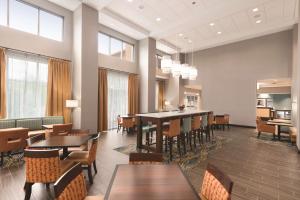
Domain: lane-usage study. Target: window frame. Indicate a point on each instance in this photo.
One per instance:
(39, 21)
(122, 41)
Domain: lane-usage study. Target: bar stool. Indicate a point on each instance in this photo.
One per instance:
(204, 128)
(196, 127)
(170, 133)
(186, 129)
(210, 124)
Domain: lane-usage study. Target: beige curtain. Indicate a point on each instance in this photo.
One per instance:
(102, 100)
(59, 88)
(133, 94)
(161, 91)
(2, 84)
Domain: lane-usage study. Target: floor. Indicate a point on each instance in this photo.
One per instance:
(259, 169)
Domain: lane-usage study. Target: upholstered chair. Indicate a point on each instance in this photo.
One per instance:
(186, 129)
(43, 166)
(216, 185)
(120, 123)
(196, 129)
(71, 186)
(171, 132)
(34, 139)
(204, 128)
(86, 158)
(59, 130)
(128, 124)
(262, 126)
(211, 123)
(146, 158)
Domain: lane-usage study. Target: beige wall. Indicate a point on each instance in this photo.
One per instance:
(228, 74)
(12, 38)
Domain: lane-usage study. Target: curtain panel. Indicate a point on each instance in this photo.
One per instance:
(59, 88)
(102, 100)
(2, 83)
(133, 94)
(161, 91)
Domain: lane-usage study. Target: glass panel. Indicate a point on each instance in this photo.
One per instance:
(115, 47)
(51, 26)
(26, 87)
(103, 44)
(23, 17)
(127, 53)
(3, 12)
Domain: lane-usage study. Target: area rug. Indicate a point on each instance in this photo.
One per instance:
(191, 159)
(13, 161)
(268, 139)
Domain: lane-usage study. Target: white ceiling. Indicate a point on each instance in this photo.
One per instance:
(235, 19)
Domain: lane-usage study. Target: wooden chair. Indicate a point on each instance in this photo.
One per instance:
(171, 132)
(216, 185)
(34, 139)
(59, 130)
(120, 123)
(128, 124)
(145, 158)
(79, 132)
(86, 158)
(262, 126)
(43, 166)
(227, 117)
(211, 124)
(71, 186)
(12, 140)
(221, 121)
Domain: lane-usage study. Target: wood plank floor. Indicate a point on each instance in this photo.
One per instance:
(259, 170)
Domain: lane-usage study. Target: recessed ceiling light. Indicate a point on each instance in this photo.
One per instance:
(255, 9)
(219, 32)
(212, 24)
(180, 34)
(129, 0)
(158, 19)
(258, 21)
(190, 41)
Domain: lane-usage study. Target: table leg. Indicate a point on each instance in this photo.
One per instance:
(65, 152)
(159, 137)
(279, 137)
(139, 137)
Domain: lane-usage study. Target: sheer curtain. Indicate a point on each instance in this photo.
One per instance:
(26, 85)
(117, 93)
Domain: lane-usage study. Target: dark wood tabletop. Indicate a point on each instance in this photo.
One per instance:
(151, 182)
(61, 141)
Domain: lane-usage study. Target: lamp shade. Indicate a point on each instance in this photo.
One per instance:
(72, 103)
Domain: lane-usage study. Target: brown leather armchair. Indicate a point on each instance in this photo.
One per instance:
(262, 126)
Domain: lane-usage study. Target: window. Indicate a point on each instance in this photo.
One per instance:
(114, 47)
(31, 19)
(51, 26)
(23, 17)
(26, 86)
(117, 93)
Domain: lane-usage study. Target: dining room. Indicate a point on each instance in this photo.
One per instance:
(154, 100)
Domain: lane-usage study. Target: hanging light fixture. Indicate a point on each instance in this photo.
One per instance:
(166, 64)
(176, 68)
(193, 72)
(185, 71)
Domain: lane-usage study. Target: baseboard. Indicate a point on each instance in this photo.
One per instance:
(243, 126)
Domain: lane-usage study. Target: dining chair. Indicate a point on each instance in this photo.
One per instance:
(34, 139)
(171, 132)
(216, 185)
(79, 132)
(59, 130)
(204, 128)
(12, 140)
(196, 129)
(211, 123)
(262, 126)
(43, 166)
(220, 121)
(71, 186)
(186, 129)
(145, 158)
(87, 158)
(227, 117)
(120, 123)
(128, 124)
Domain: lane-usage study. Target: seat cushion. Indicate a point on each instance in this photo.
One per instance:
(32, 124)
(34, 133)
(53, 120)
(65, 165)
(79, 156)
(99, 197)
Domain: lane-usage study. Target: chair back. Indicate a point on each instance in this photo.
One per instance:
(13, 139)
(210, 119)
(146, 158)
(34, 139)
(204, 120)
(128, 122)
(226, 117)
(119, 119)
(93, 149)
(42, 166)
(220, 119)
(174, 128)
(186, 124)
(71, 185)
(196, 124)
(61, 129)
(216, 184)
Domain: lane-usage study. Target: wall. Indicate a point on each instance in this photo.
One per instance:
(116, 63)
(15, 39)
(228, 74)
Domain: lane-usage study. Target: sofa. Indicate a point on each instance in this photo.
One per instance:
(33, 124)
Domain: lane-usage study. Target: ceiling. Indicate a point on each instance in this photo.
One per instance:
(193, 24)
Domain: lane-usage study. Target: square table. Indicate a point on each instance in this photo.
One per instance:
(151, 182)
(62, 142)
(278, 123)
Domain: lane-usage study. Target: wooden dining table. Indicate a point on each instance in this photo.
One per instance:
(159, 118)
(279, 123)
(63, 142)
(151, 182)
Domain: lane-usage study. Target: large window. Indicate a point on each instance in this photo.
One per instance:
(117, 83)
(114, 47)
(26, 86)
(28, 18)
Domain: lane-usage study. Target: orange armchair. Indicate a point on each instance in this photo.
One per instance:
(262, 126)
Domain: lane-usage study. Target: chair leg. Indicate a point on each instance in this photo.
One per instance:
(95, 167)
(190, 139)
(182, 139)
(27, 188)
(2, 159)
(89, 168)
(258, 134)
(166, 144)
(171, 148)
(199, 137)
(195, 135)
(178, 145)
